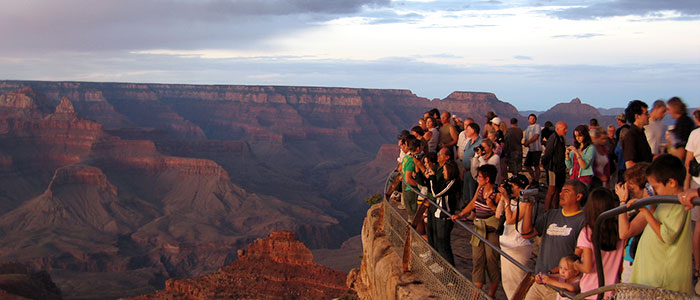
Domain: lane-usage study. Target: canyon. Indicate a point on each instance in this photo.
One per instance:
(114, 188)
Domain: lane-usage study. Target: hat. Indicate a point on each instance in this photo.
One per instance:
(403, 134)
(490, 115)
(621, 117)
(496, 121)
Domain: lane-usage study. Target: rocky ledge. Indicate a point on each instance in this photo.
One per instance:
(380, 275)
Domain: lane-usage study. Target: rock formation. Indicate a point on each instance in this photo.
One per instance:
(18, 282)
(380, 275)
(275, 267)
(575, 113)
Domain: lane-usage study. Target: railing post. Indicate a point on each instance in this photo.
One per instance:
(407, 250)
(524, 287)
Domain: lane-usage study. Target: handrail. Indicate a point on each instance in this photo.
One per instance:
(619, 210)
(482, 238)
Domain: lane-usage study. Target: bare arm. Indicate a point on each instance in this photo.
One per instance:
(651, 221)
(466, 209)
(689, 156)
(553, 281)
(528, 230)
(586, 264)
(532, 139)
(453, 134)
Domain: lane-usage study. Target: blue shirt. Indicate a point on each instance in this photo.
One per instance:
(469, 152)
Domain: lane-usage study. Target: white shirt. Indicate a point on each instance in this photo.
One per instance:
(655, 132)
(694, 146)
(461, 143)
(494, 160)
(531, 131)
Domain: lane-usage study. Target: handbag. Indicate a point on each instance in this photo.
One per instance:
(694, 168)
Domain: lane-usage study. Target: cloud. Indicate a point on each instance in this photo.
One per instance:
(614, 8)
(577, 36)
(522, 57)
(41, 26)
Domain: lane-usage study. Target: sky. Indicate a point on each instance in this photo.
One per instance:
(532, 54)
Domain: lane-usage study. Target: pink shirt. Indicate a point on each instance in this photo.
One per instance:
(611, 263)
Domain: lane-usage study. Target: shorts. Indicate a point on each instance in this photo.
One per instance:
(557, 179)
(532, 159)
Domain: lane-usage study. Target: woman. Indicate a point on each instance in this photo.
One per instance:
(488, 156)
(601, 162)
(418, 132)
(431, 135)
(599, 200)
(632, 189)
(484, 204)
(579, 157)
(447, 189)
(511, 241)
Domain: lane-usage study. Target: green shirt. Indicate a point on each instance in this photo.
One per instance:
(667, 264)
(407, 165)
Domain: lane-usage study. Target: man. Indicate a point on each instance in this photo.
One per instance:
(622, 126)
(534, 152)
(462, 140)
(593, 124)
(656, 129)
(473, 140)
(513, 150)
(559, 229)
(395, 177)
(681, 131)
(553, 161)
(635, 147)
(448, 133)
(409, 198)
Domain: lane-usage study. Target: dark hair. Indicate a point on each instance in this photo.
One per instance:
(548, 124)
(474, 126)
(520, 180)
(593, 122)
(696, 114)
(582, 130)
(513, 121)
(489, 171)
(532, 115)
(414, 144)
(432, 157)
(434, 111)
(452, 170)
(418, 130)
(637, 174)
(432, 119)
(402, 135)
(633, 109)
(448, 152)
(600, 200)
(666, 167)
(579, 188)
(408, 139)
(678, 103)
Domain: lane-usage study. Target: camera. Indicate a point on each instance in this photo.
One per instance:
(479, 148)
(508, 187)
(529, 195)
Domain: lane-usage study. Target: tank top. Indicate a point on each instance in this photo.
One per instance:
(483, 211)
(433, 143)
(445, 137)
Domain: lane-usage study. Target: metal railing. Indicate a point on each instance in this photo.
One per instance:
(525, 284)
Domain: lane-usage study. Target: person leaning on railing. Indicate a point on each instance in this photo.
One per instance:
(559, 229)
(664, 256)
(511, 242)
(484, 204)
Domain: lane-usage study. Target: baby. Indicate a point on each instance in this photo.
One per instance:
(568, 277)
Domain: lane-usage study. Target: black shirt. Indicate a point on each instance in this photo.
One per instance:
(554, 155)
(684, 125)
(635, 147)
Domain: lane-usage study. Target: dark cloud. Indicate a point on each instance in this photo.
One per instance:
(42, 26)
(577, 36)
(613, 8)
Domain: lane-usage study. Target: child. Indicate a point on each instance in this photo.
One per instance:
(568, 277)
(664, 255)
(599, 200)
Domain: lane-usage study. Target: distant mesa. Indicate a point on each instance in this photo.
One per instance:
(275, 267)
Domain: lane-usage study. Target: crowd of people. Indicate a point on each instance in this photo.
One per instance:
(477, 174)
